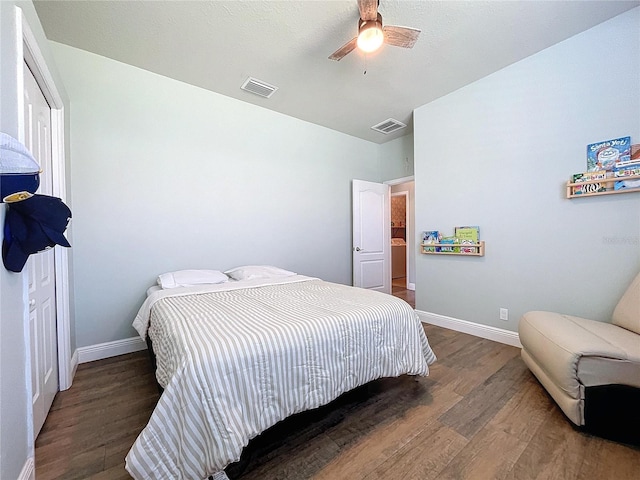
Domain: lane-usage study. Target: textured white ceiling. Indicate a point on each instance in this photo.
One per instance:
(218, 44)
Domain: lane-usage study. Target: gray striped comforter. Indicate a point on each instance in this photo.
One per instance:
(234, 361)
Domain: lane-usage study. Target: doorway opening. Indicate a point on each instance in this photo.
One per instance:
(399, 239)
(404, 247)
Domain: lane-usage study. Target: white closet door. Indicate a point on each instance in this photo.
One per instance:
(41, 267)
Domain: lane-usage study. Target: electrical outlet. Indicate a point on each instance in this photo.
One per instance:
(504, 314)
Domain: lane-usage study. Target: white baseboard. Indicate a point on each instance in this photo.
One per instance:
(411, 286)
(110, 349)
(29, 470)
(483, 331)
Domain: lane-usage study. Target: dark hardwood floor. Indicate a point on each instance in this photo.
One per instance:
(479, 415)
(399, 289)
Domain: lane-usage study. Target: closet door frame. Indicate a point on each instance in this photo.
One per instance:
(29, 52)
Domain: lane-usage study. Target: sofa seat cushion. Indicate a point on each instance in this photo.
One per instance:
(574, 351)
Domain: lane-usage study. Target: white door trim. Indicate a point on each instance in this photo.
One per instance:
(411, 239)
(29, 52)
(398, 181)
(407, 229)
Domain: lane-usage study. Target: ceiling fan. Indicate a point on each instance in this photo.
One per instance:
(371, 33)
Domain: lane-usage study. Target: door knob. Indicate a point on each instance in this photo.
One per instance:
(358, 249)
(32, 302)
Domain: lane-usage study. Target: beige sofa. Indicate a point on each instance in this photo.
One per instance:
(590, 368)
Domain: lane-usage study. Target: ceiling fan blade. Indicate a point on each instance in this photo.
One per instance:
(368, 9)
(343, 50)
(405, 37)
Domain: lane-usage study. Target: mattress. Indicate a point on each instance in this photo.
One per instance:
(236, 358)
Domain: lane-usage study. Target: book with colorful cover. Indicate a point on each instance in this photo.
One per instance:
(606, 154)
(450, 240)
(588, 187)
(626, 169)
(467, 236)
(432, 236)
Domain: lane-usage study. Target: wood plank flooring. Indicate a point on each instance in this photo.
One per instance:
(479, 415)
(399, 289)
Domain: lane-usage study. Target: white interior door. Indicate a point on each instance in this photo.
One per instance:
(41, 266)
(371, 235)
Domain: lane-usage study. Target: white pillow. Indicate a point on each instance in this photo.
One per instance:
(249, 272)
(186, 278)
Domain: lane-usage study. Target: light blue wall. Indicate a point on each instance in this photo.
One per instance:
(396, 158)
(168, 176)
(497, 154)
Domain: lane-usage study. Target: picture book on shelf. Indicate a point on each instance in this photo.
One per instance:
(606, 154)
(467, 235)
(452, 241)
(432, 236)
(588, 187)
(627, 169)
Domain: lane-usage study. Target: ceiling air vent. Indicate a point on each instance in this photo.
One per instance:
(258, 87)
(388, 126)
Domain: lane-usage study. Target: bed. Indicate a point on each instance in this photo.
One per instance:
(237, 357)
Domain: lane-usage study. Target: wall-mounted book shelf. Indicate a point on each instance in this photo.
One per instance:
(467, 249)
(608, 185)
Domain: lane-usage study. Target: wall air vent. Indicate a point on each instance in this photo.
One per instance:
(258, 87)
(388, 126)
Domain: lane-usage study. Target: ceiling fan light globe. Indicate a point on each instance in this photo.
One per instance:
(370, 39)
(370, 35)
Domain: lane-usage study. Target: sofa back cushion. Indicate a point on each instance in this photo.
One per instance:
(627, 312)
